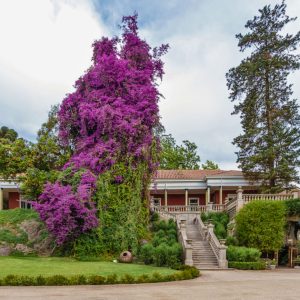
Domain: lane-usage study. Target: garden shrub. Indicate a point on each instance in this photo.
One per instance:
(260, 224)
(185, 272)
(242, 254)
(87, 246)
(127, 279)
(96, 279)
(220, 220)
(164, 250)
(111, 279)
(57, 280)
(258, 265)
(231, 241)
(293, 207)
(147, 253)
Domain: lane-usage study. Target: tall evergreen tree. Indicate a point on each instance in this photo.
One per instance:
(269, 146)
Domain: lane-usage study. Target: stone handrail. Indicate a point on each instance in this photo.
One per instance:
(219, 248)
(231, 208)
(275, 197)
(218, 207)
(180, 208)
(188, 208)
(185, 242)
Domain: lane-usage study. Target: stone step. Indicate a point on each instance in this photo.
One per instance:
(204, 258)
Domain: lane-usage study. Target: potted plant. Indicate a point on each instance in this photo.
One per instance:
(273, 264)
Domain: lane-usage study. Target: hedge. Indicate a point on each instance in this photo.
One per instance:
(257, 265)
(242, 254)
(186, 272)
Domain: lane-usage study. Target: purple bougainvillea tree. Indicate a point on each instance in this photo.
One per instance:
(108, 119)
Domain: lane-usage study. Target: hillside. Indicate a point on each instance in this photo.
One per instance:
(22, 233)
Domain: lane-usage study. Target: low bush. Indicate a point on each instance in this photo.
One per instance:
(242, 254)
(164, 250)
(220, 220)
(186, 272)
(293, 207)
(257, 265)
(231, 241)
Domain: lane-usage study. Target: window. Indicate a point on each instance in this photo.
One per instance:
(194, 201)
(25, 204)
(156, 201)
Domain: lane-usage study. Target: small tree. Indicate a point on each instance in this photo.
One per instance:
(210, 165)
(260, 224)
(14, 155)
(175, 156)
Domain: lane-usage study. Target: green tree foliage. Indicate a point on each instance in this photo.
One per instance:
(175, 156)
(269, 146)
(7, 133)
(14, 154)
(260, 224)
(293, 207)
(47, 157)
(220, 220)
(122, 208)
(48, 153)
(210, 165)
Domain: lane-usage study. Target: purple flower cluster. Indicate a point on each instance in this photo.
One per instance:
(114, 109)
(65, 214)
(109, 118)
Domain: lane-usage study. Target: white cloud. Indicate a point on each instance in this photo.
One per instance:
(45, 47)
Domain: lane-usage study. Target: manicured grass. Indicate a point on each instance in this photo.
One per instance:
(17, 215)
(34, 266)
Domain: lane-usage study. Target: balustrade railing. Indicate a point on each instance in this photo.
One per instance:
(188, 208)
(180, 208)
(275, 197)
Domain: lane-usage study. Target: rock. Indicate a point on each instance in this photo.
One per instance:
(24, 249)
(5, 250)
(45, 246)
(32, 228)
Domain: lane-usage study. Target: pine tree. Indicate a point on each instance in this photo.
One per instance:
(269, 146)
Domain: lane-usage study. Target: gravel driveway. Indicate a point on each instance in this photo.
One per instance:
(277, 284)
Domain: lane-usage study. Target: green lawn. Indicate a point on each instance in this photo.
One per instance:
(34, 266)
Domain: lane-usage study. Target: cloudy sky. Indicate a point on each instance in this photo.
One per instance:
(46, 45)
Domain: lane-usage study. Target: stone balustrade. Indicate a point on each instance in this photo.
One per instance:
(178, 209)
(218, 246)
(185, 242)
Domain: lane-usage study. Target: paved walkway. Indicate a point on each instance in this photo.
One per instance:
(277, 284)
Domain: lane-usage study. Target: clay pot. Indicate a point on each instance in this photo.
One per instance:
(126, 257)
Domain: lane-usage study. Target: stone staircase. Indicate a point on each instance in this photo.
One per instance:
(203, 255)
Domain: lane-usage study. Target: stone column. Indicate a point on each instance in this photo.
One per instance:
(210, 228)
(223, 263)
(189, 253)
(186, 197)
(1, 198)
(166, 197)
(207, 198)
(240, 200)
(221, 195)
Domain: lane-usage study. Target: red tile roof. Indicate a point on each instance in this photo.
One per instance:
(194, 174)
